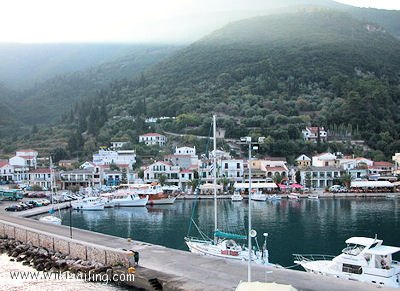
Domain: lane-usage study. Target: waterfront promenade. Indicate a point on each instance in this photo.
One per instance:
(180, 270)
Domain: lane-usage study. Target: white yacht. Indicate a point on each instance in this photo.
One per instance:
(236, 197)
(364, 259)
(89, 203)
(128, 199)
(108, 200)
(258, 196)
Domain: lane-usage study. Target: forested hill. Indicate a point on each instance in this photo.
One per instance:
(48, 99)
(273, 75)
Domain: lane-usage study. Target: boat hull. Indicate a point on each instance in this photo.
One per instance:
(50, 219)
(140, 202)
(329, 269)
(207, 248)
(167, 200)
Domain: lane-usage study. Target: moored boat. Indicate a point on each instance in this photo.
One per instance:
(127, 198)
(89, 203)
(293, 196)
(274, 197)
(258, 196)
(313, 196)
(364, 259)
(236, 197)
(50, 219)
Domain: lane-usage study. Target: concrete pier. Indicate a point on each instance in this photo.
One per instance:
(163, 267)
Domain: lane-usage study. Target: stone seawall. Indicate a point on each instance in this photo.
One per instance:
(77, 249)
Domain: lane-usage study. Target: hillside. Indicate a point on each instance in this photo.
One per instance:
(272, 76)
(47, 100)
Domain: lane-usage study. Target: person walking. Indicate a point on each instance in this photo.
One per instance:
(136, 258)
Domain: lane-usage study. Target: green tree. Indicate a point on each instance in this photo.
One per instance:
(298, 177)
(161, 179)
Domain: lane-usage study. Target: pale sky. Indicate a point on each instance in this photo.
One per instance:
(35, 21)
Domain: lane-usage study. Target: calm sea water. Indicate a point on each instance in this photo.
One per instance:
(301, 226)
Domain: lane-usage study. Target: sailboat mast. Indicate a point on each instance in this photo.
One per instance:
(215, 175)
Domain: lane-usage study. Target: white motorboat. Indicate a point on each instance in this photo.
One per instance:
(50, 219)
(258, 196)
(89, 203)
(236, 197)
(108, 200)
(274, 197)
(313, 196)
(364, 259)
(128, 199)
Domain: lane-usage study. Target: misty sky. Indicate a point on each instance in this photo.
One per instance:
(128, 20)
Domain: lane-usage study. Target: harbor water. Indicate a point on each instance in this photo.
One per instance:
(307, 226)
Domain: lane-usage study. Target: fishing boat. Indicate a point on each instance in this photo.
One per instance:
(364, 259)
(89, 203)
(223, 244)
(51, 218)
(155, 193)
(236, 197)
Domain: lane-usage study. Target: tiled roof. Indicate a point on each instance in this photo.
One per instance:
(151, 134)
(40, 171)
(3, 163)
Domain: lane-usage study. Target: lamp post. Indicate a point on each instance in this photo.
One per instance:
(251, 233)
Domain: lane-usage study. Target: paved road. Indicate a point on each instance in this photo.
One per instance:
(186, 271)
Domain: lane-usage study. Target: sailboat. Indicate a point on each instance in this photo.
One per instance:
(224, 244)
(51, 218)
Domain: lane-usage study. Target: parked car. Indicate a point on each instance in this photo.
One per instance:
(44, 201)
(25, 205)
(34, 203)
(12, 208)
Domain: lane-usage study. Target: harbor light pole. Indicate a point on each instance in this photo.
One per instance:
(247, 140)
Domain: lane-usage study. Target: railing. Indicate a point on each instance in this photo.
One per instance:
(311, 257)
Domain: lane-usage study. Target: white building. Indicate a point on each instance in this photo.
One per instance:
(303, 161)
(319, 177)
(6, 171)
(311, 134)
(185, 151)
(24, 158)
(154, 171)
(41, 177)
(348, 164)
(325, 160)
(153, 139)
(122, 158)
(396, 160)
(232, 169)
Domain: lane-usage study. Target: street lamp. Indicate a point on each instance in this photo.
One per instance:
(251, 233)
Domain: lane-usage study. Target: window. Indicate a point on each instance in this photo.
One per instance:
(237, 165)
(353, 269)
(226, 165)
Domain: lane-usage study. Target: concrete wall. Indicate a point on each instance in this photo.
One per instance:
(74, 248)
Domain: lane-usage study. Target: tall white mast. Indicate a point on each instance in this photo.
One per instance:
(215, 176)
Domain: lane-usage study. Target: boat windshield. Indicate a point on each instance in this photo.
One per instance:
(353, 249)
